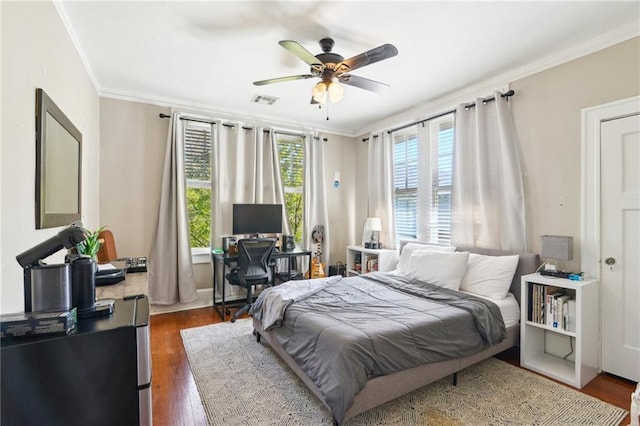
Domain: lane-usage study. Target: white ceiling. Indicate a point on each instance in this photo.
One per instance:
(205, 55)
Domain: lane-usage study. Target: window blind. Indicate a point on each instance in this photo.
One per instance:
(197, 154)
(422, 181)
(291, 156)
(405, 171)
(442, 151)
(197, 163)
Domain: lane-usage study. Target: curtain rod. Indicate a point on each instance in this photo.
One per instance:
(161, 115)
(197, 120)
(442, 114)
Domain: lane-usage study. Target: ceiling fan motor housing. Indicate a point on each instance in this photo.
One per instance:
(329, 59)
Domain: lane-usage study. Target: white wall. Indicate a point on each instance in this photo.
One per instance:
(547, 115)
(37, 52)
(340, 155)
(133, 143)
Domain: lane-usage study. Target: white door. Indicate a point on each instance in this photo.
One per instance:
(620, 227)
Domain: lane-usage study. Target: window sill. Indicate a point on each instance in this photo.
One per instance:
(200, 255)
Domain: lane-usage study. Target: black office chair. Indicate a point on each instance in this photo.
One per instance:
(254, 267)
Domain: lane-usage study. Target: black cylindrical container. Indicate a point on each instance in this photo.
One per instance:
(83, 279)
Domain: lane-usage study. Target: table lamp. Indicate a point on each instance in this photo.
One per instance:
(371, 232)
(555, 247)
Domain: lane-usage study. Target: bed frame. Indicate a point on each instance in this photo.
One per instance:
(381, 389)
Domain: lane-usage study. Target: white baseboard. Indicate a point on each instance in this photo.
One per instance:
(205, 298)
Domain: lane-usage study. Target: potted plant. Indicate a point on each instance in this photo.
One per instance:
(92, 243)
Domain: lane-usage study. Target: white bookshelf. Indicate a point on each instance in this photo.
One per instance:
(542, 346)
(385, 260)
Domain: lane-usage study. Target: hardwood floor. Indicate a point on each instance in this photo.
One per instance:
(176, 400)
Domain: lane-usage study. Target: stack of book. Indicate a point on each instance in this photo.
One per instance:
(552, 307)
(371, 264)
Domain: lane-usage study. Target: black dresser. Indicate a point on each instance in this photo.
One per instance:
(100, 374)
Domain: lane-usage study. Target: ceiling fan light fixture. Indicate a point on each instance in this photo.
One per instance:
(333, 89)
(319, 92)
(336, 92)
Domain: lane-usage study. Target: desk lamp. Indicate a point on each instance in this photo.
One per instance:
(555, 247)
(371, 232)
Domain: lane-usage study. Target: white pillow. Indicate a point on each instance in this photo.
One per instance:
(438, 268)
(409, 248)
(489, 276)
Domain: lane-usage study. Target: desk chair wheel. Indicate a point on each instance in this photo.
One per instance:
(258, 336)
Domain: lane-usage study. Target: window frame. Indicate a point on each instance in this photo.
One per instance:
(282, 139)
(428, 219)
(199, 254)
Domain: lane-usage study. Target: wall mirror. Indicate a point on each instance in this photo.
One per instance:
(58, 165)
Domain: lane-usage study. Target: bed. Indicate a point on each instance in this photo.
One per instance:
(423, 332)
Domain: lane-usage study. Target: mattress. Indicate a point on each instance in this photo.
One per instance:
(509, 308)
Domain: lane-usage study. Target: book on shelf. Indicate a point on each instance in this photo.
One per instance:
(571, 315)
(550, 306)
(560, 311)
(550, 297)
(371, 264)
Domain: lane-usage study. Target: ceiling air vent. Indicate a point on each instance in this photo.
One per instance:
(264, 100)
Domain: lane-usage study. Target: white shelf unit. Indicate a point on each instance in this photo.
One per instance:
(385, 260)
(538, 342)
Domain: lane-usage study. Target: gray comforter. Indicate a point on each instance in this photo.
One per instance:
(376, 324)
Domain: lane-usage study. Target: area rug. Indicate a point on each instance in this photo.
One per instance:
(243, 382)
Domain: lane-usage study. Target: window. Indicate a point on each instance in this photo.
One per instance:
(197, 160)
(441, 172)
(422, 170)
(291, 153)
(405, 178)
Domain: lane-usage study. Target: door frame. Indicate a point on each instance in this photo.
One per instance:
(590, 225)
(590, 220)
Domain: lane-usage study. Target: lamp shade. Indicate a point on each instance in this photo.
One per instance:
(373, 224)
(556, 247)
(371, 231)
(319, 92)
(336, 92)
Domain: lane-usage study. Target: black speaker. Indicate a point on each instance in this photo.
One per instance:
(288, 243)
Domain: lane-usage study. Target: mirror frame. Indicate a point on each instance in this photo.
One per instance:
(44, 219)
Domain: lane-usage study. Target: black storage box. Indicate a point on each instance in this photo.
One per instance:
(337, 269)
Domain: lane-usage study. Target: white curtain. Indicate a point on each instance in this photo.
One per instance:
(170, 271)
(315, 196)
(487, 190)
(246, 170)
(380, 178)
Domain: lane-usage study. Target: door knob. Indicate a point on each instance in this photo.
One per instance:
(610, 261)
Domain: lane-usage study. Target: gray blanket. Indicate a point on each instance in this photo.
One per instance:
(380, 323)
(271, 305)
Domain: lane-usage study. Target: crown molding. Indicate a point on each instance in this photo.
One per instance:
(203, 109)
(414, 113)
(502, 81)
(59, 5)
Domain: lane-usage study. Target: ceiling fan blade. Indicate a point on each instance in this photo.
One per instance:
(281, 79)
(380, 53)
(313, 101)
(363, 83)
(302, 53)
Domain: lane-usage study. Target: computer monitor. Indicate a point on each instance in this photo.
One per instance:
(257, 219)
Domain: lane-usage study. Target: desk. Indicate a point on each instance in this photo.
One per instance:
(221, 261)
(134, 283)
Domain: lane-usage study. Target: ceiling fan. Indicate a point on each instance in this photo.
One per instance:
(332, 68)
